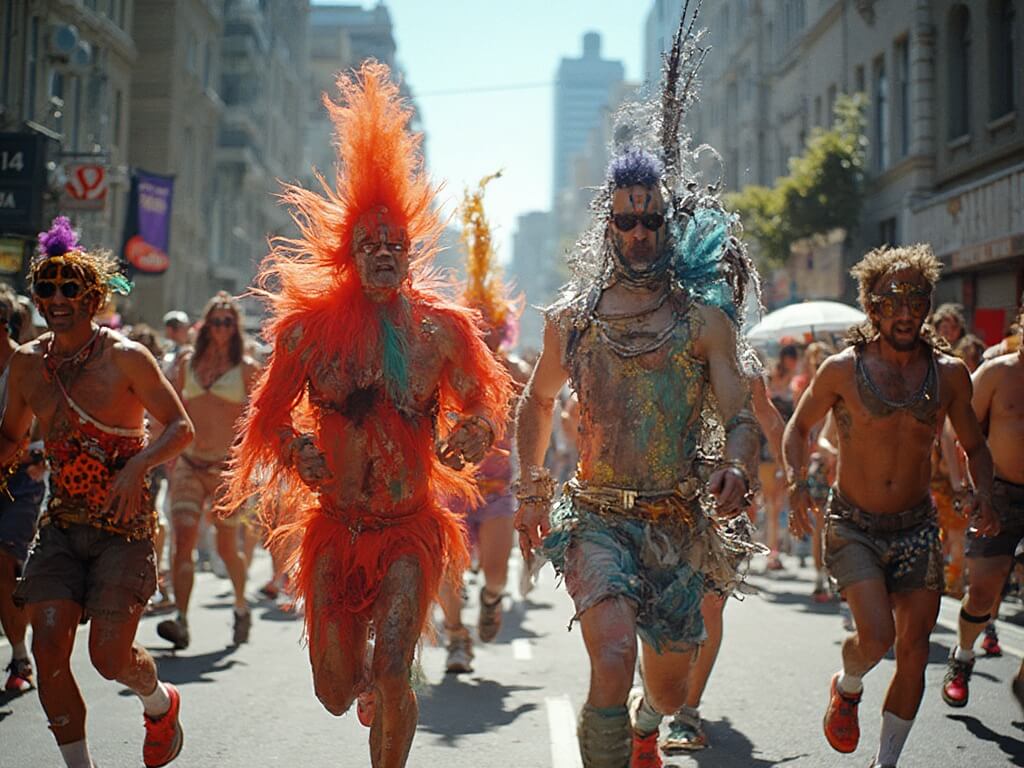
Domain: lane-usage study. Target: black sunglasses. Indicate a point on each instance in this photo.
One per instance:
(47, 289)
(627, 221)
(222, 322)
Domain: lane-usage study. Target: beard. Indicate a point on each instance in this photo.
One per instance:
(900, 345)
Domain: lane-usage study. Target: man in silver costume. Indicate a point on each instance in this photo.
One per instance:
(645, 334)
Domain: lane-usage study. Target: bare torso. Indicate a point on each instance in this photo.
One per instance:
(639, 415)
(99, 385)
(369, 459)
(884, 462)
(214, 417)
(1006, 417)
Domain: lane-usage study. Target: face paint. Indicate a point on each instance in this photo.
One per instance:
(640, 247)
(380, 246)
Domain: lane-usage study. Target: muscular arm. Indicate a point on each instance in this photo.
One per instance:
(537, 404)
(18, 417)
(158, 397)
(768, 416)
(963, 416)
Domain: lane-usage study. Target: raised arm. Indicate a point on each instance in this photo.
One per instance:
(533, 431)
(717, 343)
(964, 418)
(814, 406)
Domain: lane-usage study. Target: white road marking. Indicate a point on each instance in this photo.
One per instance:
(522, 649)
(565, 750)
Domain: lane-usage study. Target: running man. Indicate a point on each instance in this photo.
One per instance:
(998, 387)
(881, 535)
(89, 387)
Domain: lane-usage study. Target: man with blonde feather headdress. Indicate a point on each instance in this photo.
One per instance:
(379, 391)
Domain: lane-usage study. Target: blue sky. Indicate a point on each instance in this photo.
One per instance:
(462, 45)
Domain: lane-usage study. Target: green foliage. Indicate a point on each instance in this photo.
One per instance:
(823, 191)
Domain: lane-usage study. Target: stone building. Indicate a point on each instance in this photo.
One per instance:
(175, 118)
(262, 133)
(943, 81)
(66, 81)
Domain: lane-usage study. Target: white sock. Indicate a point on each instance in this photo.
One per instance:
(19, 650)
(156, 703)
(850, 684)
(819, 580)
(894, 735)
(76, 754)
(963, 655)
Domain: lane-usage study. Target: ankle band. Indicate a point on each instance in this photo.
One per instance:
(971, 619)
(604, 737)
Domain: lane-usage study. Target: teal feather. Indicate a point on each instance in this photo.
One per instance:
(120, 284)
(396, 360)
(698, 258)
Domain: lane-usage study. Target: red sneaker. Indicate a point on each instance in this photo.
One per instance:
(842, 731)
(990, 643)
(19, 676)
(956, 685)
(366, 708)
(164, 735)
(645, 751)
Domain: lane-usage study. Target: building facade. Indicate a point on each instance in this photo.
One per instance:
(175, 119)
(943, 83)
(65, 88)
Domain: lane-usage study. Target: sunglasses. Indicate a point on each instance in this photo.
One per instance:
(221, 322)
(624, 222)
(47, 289)
(888, 304)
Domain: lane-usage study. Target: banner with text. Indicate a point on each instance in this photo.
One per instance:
(147, 227)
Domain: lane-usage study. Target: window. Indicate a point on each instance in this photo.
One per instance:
(959, 71)
(1001, 75)
(57, 100)
(192, 53)
(881, 100)
(831, 104)
(902, 58)
(887, 232)
(817, 111)
(858, 79)
(31, 63)
(118, 116)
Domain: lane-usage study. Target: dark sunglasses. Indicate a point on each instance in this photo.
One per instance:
(222, 322)
(627, 221)
(47, 289)
(888, 305)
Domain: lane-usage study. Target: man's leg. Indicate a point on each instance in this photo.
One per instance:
(609, 634)
(337, 648)
(494, 545)
(985, 579)
(237, 568)
(915, 614)
(13, 619)
(398, 621)
(187, 498)
(54, 623)
(875, 633)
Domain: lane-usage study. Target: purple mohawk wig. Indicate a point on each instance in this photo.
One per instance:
(635, 167)
(58, 239)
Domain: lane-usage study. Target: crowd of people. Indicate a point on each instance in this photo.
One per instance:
(391, 430)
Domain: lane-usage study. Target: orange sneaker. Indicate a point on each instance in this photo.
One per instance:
(164, 734)
(842, 731)
(366, 708)
(645, 751)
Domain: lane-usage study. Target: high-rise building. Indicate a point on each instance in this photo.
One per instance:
(583, 89)
(535, 270)
(175, 118)
(262, 132)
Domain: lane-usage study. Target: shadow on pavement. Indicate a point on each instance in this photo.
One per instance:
(182, 670)
(801, 600)
(1011, 747)
(729, 747)
(458, 708)
(512, 624)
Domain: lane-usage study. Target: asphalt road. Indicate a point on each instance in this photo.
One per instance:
(254, 705)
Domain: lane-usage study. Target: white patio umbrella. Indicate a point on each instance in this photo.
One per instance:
(809, 317)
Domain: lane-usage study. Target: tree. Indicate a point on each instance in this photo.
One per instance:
(823, 191)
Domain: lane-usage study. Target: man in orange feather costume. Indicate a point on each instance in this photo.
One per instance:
(378, 393)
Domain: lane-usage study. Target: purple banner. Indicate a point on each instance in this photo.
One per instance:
(148, 223)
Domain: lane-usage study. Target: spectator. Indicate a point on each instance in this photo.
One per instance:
(948, 320)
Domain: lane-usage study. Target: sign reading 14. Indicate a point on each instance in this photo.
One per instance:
(12, 161)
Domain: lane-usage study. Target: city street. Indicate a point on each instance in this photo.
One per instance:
(254, 706)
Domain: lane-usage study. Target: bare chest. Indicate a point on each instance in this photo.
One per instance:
(98, 388)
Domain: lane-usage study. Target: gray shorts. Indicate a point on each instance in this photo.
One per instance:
(1008, 504)
(110, 576)
(906, 559)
